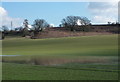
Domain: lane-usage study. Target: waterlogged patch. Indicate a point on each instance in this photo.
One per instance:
(40, 60)
(9, 55)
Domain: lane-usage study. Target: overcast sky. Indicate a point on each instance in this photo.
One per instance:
(54, 12)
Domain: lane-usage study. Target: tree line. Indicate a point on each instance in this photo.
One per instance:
(39, 25)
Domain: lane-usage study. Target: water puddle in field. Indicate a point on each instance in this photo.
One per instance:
(8, 55)
(38, 60)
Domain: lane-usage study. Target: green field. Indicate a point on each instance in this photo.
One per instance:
(69, 58)
(35, 72)
(104, 45)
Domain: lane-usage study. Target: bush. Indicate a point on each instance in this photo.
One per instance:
(115, 30)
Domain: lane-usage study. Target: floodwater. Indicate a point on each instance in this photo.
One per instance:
(38, 60)
(9, 55)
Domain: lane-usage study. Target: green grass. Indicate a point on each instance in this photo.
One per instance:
(104, 45)
(13, 71)
(90, 58)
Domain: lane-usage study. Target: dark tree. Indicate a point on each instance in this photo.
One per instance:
(3, 35)
(5, 28)
(39, 24)
(19, 29)
(72, 21)
(25, 23)
(85, 21)
(25, 28)
(109, 23)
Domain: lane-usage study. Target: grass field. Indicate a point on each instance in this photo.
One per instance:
(104, 45)
(35, 72)
(70, 58)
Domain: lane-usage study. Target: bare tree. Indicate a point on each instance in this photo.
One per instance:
(72, 21)
(25, 23)
(39, 24)
(25, 28)
(85, 21)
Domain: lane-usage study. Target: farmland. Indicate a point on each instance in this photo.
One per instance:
(71, 58)
(13, 71)
(89, 45)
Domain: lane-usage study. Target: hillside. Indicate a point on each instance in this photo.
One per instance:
(57, 34)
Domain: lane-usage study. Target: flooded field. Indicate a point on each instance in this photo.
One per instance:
(41, 60)
(71, 58)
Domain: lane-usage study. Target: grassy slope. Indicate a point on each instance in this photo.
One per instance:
(105, 45)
